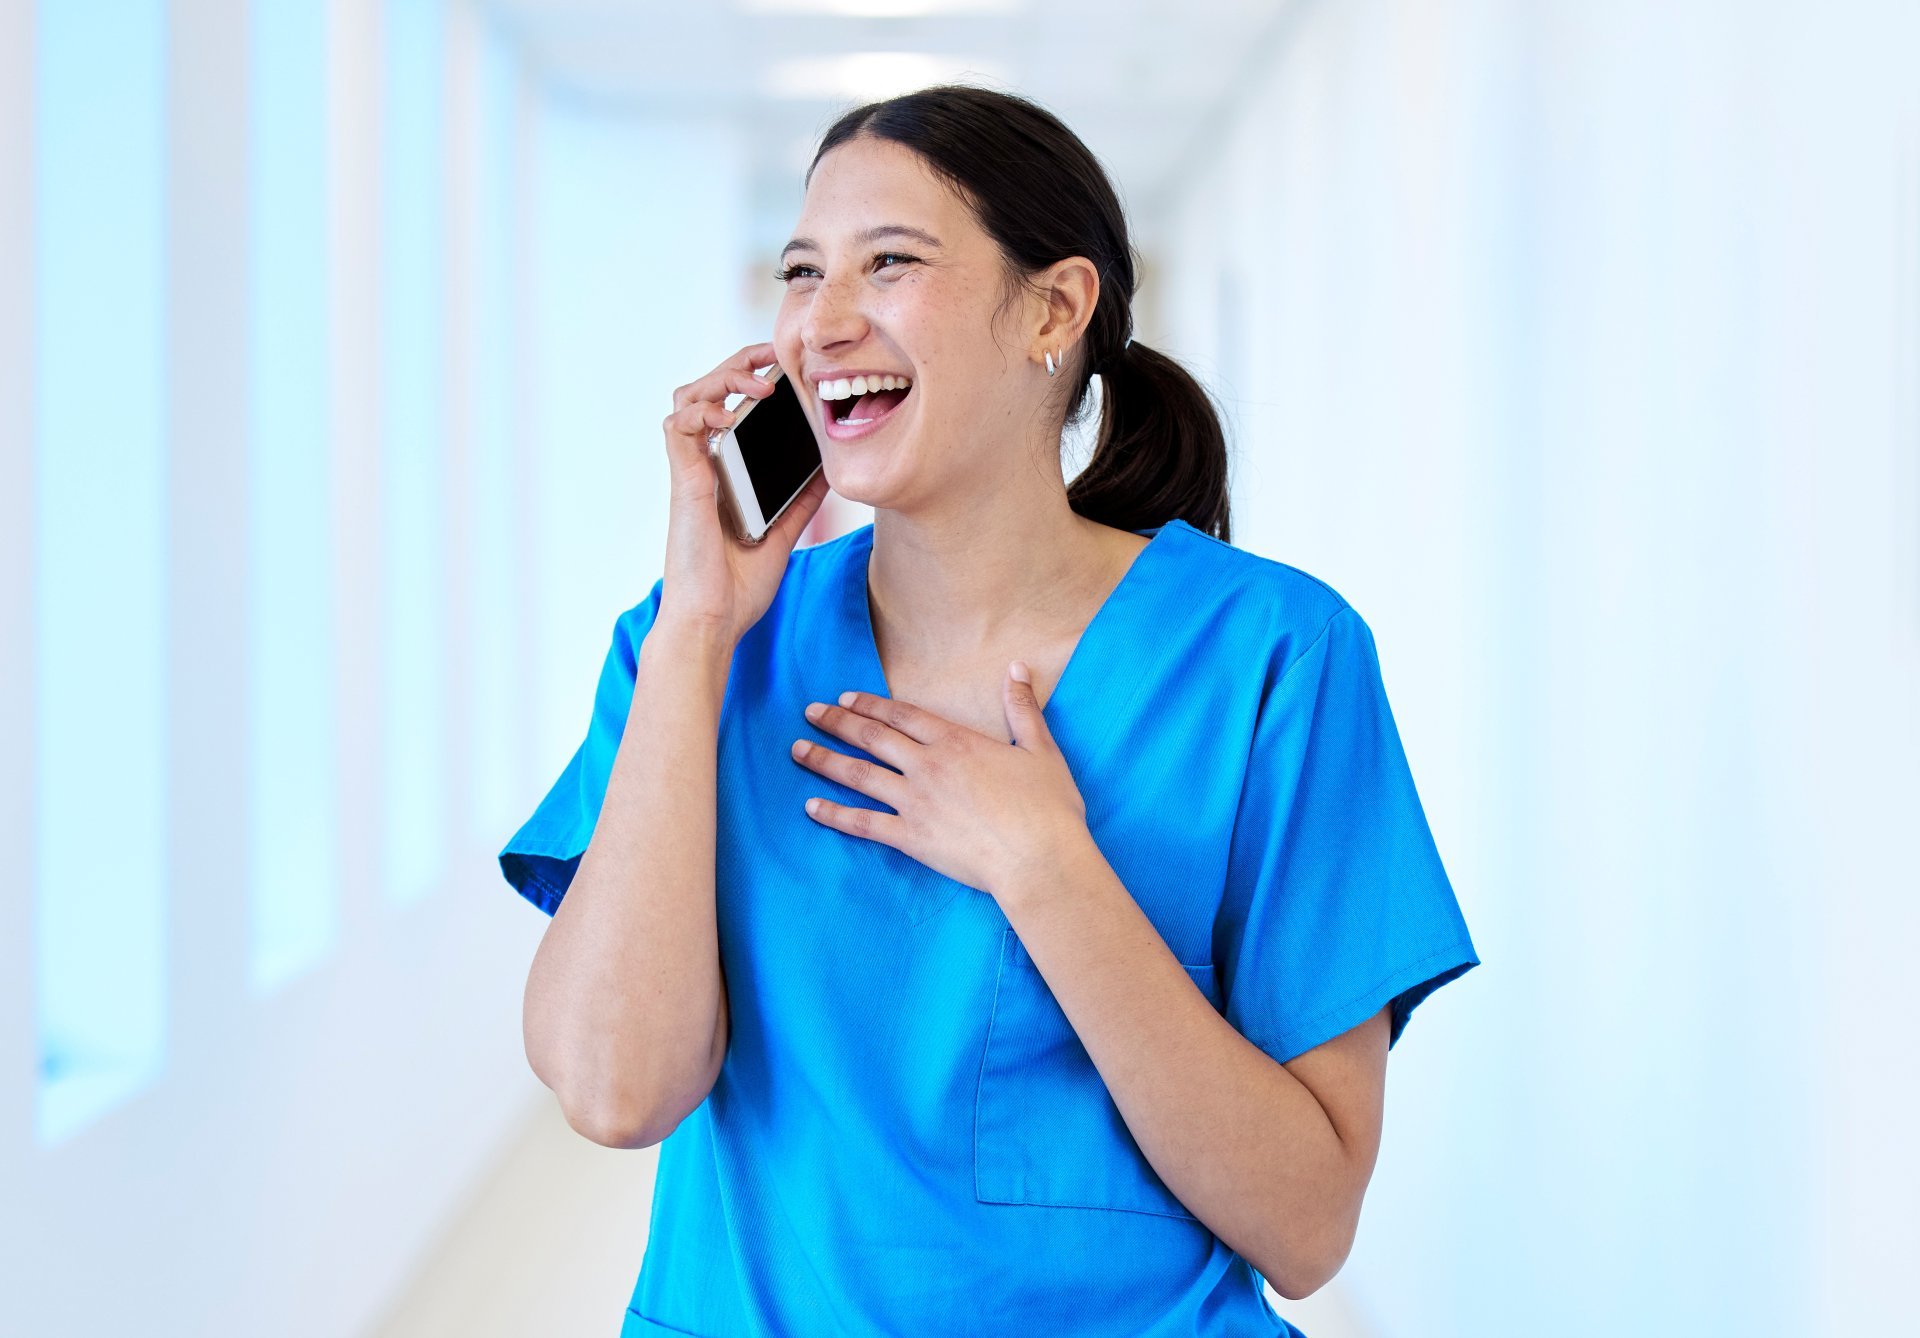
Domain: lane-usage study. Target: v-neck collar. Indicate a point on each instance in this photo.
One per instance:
(1095, 638)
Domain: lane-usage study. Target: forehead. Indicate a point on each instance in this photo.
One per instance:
(865, 184)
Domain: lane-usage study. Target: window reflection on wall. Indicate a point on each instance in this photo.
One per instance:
(100, 556)
(409, 523)
(292, 774)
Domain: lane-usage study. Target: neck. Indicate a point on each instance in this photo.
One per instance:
(943, 586)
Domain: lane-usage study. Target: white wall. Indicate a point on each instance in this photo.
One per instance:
(302, 1151)
(1579, 347)
(638, 235)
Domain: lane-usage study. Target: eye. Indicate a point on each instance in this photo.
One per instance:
(795, 271)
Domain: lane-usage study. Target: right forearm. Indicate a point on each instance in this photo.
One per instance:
(623, 998)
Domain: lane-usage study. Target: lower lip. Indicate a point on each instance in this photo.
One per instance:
(840, 431)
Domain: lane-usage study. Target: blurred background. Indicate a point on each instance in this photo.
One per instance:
(1578, 345)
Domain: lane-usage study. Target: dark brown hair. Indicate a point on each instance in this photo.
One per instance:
(1042, 196)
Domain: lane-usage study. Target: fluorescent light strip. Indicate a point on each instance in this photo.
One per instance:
(882, 9)
(875, 74)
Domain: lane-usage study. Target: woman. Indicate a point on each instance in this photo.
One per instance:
(1002, 912)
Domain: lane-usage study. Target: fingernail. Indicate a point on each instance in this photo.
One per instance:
(1019, 671)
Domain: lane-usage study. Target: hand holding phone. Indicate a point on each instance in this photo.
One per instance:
(764, 459)
(723, 562)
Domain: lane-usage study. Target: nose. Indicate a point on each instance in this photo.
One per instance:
(834, 313)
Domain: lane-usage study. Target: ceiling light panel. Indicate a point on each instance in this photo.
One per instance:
(882, 9)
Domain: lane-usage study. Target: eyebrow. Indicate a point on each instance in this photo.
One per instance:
(870, 235)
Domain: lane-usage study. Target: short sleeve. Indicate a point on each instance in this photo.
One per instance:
(541, 858)
(1336, 903)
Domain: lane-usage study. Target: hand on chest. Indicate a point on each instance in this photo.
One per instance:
(974, 696)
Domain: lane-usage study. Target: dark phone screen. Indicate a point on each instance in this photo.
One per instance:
(778, 447)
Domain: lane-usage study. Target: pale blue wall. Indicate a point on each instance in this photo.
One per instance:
(347, 338)
(97, 867)
(1579, 347)
(640, 241)
(293, 764)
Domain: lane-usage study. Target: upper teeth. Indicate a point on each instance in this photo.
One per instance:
(861, 385)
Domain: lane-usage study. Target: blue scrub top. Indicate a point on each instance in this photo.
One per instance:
(907, 1135)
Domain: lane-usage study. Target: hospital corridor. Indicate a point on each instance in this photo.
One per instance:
(1564, 363)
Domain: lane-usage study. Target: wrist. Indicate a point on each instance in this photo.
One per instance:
(697, 642)
(1050, 866)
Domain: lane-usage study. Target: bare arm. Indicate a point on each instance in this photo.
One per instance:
(1274, 1158)
(625, 1014)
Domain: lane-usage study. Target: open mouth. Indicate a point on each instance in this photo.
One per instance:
(867, 409)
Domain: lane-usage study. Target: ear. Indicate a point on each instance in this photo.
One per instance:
(1072, 290)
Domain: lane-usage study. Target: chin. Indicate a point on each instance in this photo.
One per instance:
(862, 481)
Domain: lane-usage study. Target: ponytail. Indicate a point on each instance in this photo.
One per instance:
(1161, 452)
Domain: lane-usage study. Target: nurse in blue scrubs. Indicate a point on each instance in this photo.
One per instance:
(1070, 881)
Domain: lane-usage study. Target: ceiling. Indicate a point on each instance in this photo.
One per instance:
(1144, 82)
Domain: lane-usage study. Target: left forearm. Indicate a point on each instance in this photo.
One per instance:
(1238, 1139)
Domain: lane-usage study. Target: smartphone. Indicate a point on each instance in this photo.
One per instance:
(765, 460)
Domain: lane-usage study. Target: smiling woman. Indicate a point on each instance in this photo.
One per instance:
(1068, 882)
(930, 227)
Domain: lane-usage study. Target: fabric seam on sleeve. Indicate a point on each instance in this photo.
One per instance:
(1287, 1038)
(544, 838)
(1262, 557)
(1307, 650)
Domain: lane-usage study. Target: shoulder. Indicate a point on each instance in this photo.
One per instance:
(813, 571)
(829, 552)
(806, 569)
(810, 606)
(1262, 601)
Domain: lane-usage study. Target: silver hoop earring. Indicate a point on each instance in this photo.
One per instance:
(1051, 369)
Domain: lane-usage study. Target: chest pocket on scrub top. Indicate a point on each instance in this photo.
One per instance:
(1046, 1130)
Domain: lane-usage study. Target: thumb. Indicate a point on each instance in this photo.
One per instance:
(1028, 726)
(800, 514)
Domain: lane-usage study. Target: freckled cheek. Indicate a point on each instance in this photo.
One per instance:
(786, 330)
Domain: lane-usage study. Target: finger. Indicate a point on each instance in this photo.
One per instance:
(915, 722)
(873, 825)
(1024, 719)
(751, 384)
(716, 383)
(864, 731)
(710, 416)
(856, 773)
(690, 452)
(715, 389)
(699, 418)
